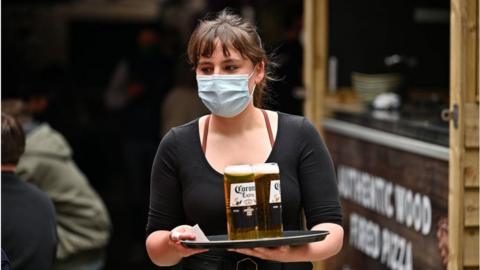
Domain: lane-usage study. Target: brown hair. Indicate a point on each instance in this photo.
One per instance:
(13, 140)
(234, 32)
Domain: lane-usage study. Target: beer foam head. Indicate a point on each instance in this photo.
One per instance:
(238, 170)
(266, 168)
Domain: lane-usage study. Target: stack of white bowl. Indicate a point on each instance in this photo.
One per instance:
(368, 86)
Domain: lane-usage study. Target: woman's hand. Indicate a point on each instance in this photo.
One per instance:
(183, 232)
(165, 248)
(315, 251)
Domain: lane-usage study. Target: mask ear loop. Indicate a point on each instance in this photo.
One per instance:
(253, 91)
(250, 76)
(251, 73)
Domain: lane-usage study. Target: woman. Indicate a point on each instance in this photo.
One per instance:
(187, 180)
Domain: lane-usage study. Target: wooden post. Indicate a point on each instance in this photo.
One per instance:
(315, 58)
(315, 64)
(463, 167)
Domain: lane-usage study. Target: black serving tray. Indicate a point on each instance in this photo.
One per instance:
(288, 238)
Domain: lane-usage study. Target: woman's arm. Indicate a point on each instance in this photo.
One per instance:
(164, 247)
(162, 250)
(166, 209)
(315, 251)
(330, 246)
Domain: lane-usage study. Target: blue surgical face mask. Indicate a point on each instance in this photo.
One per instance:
(225, 95)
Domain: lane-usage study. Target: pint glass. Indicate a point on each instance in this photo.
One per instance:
(240, 202)
(269, 199)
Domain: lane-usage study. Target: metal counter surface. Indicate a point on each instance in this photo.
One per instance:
(388, 139)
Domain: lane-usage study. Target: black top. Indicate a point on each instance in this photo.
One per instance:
(29, 235)
(185, 189)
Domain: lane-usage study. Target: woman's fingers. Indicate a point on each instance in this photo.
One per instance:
(177, 236)
(182, 232)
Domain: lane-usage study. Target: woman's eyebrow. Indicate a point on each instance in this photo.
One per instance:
(226, 61)
(231, 60)
(204, 62)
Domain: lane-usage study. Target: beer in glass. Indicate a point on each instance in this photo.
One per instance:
(240, 202)
(269, 200)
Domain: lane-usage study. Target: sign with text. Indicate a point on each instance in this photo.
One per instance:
(394, 203)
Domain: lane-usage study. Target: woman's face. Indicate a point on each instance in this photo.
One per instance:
(218, 63)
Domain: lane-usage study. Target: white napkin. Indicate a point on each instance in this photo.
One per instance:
(199, 234)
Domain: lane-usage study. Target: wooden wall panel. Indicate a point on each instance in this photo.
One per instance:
(470, 42)
(471, 125)
(471, 168)
(463, 172)
(471, 207)
(471, 248)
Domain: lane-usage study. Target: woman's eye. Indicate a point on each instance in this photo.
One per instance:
(230, 68)
(206, 70)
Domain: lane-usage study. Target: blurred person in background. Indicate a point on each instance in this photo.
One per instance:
(187, 188)
(290, 60)
(181, 104)
(138, 85)
(5, 261)
(83, 223)
(29, 235)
